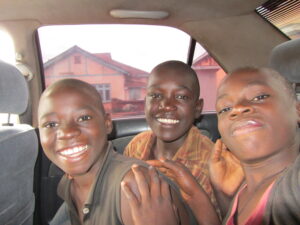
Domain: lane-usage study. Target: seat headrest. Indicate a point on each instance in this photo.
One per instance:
(285, 58)
(14, 94)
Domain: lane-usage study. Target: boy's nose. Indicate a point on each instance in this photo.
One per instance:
(67, 131)
(167, 104)
(240, 109)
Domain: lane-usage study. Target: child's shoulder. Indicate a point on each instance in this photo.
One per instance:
(202, 136)
(140, 139)
(142, 135)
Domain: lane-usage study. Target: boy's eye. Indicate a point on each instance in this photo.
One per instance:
(226, 109)
(155, 95)
(183, 97)
(50, 125)
(260, 97)
(84, 118)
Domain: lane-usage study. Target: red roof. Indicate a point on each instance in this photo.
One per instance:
(102, 58)
(131, 70)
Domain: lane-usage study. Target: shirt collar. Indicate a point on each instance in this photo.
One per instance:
(64, 185)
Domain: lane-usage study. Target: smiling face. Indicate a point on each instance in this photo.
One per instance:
(257, 115)
(172, 102)
(73, 127)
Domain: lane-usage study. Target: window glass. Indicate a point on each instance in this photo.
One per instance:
(115, 59)
(135, 93)
(284, 14)
(104, 90)
(209, 74)
(5, 118)
(7, 53)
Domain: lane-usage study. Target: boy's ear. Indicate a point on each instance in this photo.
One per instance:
(198, 108)
(145, 104)
(108, 123)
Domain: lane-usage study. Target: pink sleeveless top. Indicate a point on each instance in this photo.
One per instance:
(255, 218)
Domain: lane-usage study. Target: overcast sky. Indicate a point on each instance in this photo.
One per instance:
(7, 51)
(140, 46)
(137, 45)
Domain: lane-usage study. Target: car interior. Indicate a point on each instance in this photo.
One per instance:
(234, 33)
(19, 149)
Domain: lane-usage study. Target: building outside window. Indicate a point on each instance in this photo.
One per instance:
(104, 90)
(77, 59)
(119, 67)
(134, 93)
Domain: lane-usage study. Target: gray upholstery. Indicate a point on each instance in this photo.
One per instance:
(13, 90)
(285, 58)
(18, 152)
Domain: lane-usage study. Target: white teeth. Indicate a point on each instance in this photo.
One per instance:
(251, 122)
(167, 121)
(74, 150)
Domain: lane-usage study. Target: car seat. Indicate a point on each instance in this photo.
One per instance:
(285, 58)
(18, 151)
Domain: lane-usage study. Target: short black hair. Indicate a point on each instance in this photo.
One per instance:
(268, 71)
(82, 86)
(180, 67)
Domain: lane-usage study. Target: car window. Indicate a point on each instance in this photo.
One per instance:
(7, 53)
(209, 74)
(283, 14)
(117, 59)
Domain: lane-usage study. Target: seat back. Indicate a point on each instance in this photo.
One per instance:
(285, 58)
(18, 151)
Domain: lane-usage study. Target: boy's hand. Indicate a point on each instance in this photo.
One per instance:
(180, 174)
(190, 190)
(225, 170)
(155, 204)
